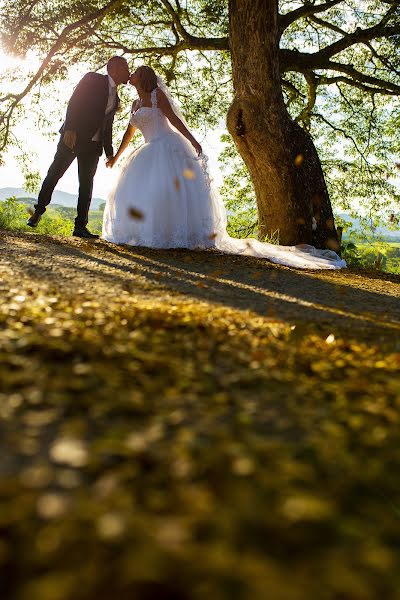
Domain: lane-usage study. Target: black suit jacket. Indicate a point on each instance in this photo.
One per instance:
(86, 113)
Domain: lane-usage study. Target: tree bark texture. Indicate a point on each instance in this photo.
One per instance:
(282, 160)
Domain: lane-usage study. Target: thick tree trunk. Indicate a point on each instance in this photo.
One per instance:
(281, 157)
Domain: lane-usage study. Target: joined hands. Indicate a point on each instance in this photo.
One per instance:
(110, 162)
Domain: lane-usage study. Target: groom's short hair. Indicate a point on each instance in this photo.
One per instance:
(114, 61)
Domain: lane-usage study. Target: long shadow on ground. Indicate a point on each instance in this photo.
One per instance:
(239, 282)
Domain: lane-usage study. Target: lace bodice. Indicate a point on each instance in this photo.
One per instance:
(150, 120)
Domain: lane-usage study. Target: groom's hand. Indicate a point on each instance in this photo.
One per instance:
(69, 139)
(110, 162)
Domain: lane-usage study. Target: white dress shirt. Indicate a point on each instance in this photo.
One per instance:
(112, 99)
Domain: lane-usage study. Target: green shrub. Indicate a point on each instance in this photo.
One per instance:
(242, 224)
(14, 215)
(53, 223)
(369, 256)
(351, 254)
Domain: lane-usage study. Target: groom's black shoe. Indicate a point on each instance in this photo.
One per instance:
(83, 232)
(33, 221)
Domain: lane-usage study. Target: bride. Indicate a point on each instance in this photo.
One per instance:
(163, 196)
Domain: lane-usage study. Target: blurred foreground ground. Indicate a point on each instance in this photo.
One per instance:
(187, 425)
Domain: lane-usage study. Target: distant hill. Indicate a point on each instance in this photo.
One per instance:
(388, 234)
(61, 198)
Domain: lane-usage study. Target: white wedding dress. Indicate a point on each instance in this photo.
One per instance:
(163, 198)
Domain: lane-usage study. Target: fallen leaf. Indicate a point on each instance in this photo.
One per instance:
(135, 213)
(189, 174)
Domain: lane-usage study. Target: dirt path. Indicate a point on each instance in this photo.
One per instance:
(185, 425)
(362, 303)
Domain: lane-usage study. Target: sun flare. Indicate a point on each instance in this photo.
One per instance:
(9, 62)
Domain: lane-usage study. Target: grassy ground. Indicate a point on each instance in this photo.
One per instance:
(187, 425)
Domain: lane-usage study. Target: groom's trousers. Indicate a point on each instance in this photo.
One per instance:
(88, 159)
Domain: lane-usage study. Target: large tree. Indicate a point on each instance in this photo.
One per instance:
(286, 59)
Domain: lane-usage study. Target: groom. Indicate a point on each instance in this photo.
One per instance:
(86, 131)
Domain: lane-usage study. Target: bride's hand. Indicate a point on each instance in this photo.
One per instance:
(110, 162)
(197, 147)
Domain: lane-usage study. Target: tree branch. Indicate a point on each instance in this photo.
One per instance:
(383, 60)
(290, 86)
(293, 60)
(176, 20)
(355, 75)
(306, 10)
(305, 114)
(357, 37)
(194, 42)
(381, 29)
(327, 25)
(322, 80)
(343, 132)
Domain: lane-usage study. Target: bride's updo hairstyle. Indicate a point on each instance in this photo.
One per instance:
(147, 78)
